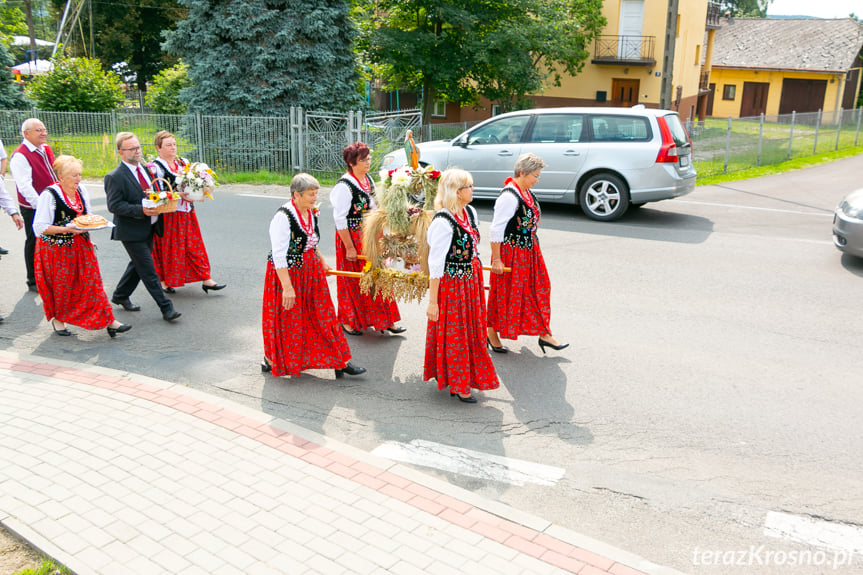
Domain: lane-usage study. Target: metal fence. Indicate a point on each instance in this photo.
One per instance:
(313, 141)
(721, 146)
(308, 141)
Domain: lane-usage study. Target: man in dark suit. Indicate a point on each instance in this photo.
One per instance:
(125, 186)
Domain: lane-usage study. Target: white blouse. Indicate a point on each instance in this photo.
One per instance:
(280, 236)
(340, 198)
(505, 207)
(46, 205)
(182, 205)
(439, 237)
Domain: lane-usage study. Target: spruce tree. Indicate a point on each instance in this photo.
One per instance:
(260, 57)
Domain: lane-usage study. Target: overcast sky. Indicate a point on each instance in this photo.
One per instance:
(818, 8)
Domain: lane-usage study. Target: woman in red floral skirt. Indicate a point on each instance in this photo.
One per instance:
(179, 255)
(67, 272)
(300, 326)
(455, 338)
(352, 197)
(518, 302)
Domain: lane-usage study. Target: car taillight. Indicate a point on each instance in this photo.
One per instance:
(668, 150)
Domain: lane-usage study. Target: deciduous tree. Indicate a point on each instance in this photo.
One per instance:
(461, 50)
(76, 85)
(11, 97)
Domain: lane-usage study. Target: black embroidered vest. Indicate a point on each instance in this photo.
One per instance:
(299, 239)
(462, 248)
(63, 214)
(360, 201)
(520, 230)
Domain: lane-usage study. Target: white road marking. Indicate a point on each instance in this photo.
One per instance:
(814, 532)
(470, 463)
(263, 196)
(738, 206)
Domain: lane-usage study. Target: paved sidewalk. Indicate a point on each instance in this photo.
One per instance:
(111, 473)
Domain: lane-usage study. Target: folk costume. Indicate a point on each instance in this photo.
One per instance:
(307, 336)
(67, 272)
(351, 199)
(179, 255)
(455, 352)
(518, 302)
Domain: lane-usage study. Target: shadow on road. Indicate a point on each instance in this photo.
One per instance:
(853, 264)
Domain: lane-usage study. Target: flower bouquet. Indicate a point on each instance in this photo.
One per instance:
(197, 180)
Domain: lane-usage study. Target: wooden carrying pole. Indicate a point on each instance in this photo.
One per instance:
(486, 268)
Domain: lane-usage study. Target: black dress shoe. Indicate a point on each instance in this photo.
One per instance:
(1, 319)
(352, 331)
(265, 366)
(32, 287)
(126, 303)
(124, 327)
(349, 369)
(468, 399)
(216, 287)
(501, 349)
(394, 329)
(544, 344)
(62, 332)
(170, 315)
(169, 289)
(3, 252)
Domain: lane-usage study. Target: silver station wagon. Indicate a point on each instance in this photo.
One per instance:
(604, 159)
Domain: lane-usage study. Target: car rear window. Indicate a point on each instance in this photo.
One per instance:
(678, 132)
(607, 128)
(550, 128)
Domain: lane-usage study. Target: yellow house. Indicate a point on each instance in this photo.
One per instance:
(778, 66)
(628, 63)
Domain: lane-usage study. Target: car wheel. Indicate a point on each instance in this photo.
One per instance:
(604, 197)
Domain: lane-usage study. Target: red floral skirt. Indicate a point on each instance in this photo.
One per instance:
(307, 336)
(179, 254)
(70, 284)
(455, 344)
(518, 301)
(358, 310)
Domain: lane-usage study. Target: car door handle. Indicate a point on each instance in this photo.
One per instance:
(571, 153)
(504, 153)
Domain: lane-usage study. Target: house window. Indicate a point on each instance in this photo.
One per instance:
(728, 91)
(439, 110)
(495, 110)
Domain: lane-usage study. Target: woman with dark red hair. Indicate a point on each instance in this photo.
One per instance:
(351, 197)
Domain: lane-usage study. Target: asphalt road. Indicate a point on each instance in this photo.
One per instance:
(710, 397)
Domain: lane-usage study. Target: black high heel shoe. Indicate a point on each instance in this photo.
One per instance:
(468, 399)
(395, 329)
(216, 287)
(349, 369)
(544, 344)
(501, 349)
(62, 332)
(124, 327)
(351, 331)
(265, 366)
(169, 289)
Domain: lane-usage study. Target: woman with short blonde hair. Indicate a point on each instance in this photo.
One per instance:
(455, 354)
(67, 272)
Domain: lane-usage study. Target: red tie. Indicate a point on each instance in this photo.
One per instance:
(142, 179)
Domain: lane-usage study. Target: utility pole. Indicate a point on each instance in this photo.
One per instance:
(668, 56)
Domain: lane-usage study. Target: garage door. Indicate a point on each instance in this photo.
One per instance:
(802, 95)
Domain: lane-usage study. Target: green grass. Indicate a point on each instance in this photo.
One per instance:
(48, 567)
(793, 164)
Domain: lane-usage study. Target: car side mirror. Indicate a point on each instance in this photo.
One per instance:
(462, 140)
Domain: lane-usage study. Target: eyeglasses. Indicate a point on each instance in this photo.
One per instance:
(40, 130)
(470, 187)
(135, 149)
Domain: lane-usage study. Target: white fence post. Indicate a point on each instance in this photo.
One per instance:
(760, 138)
(727, 147)
(857, 133)
(839, 129)
(817, 128)
(791, 134)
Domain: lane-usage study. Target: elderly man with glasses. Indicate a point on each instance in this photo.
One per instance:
(32, 168)
(134, 225)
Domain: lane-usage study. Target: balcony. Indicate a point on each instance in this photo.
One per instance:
(713, 15)
(704, 81)
(624, 51)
